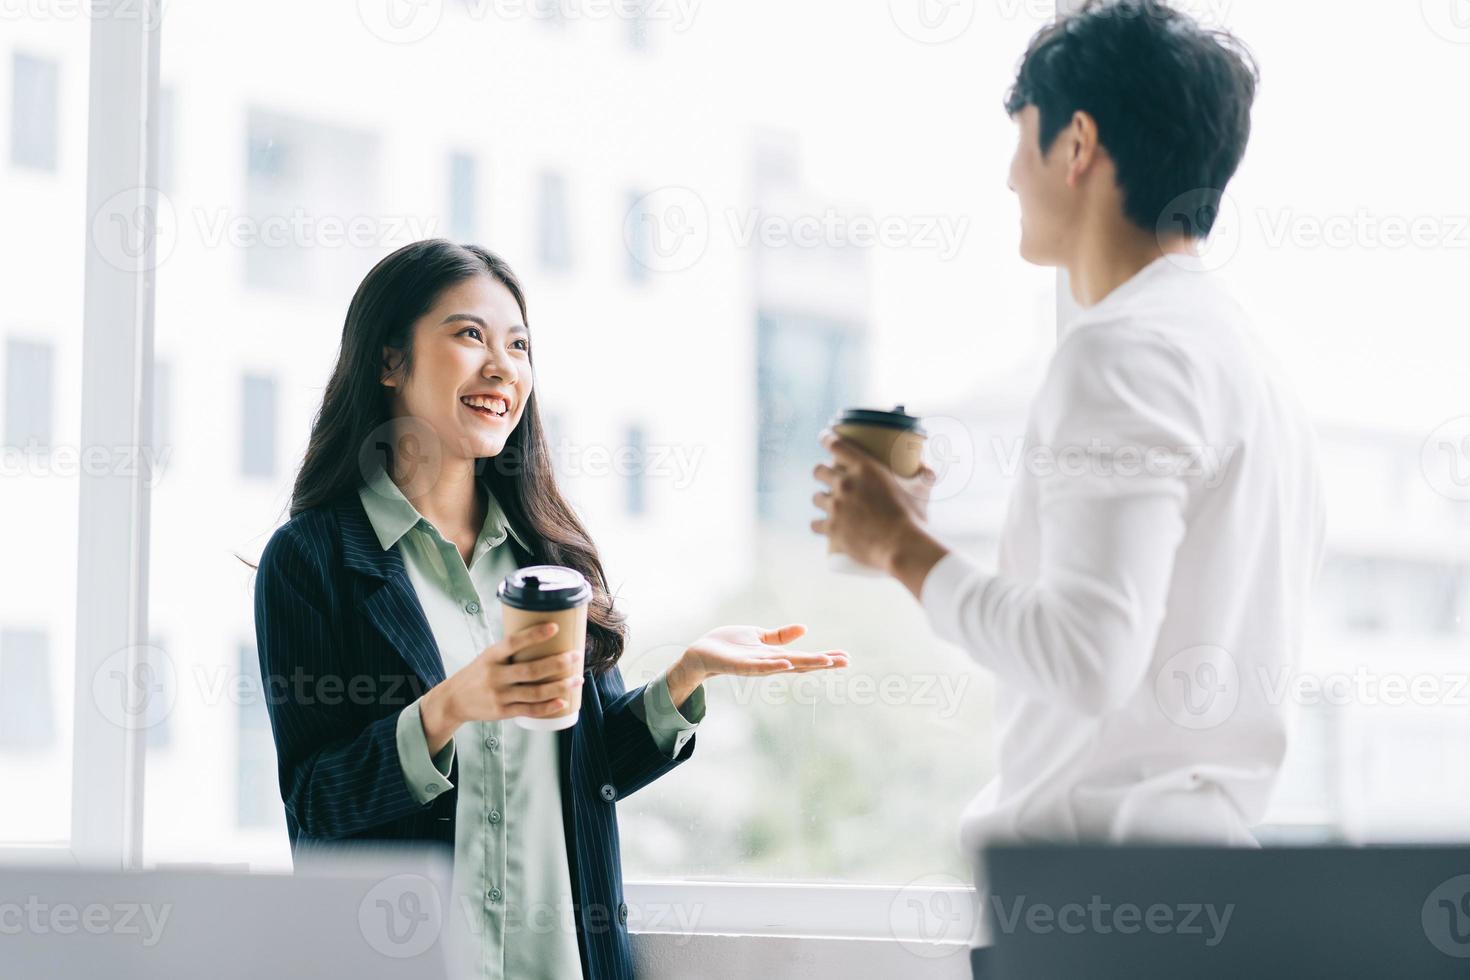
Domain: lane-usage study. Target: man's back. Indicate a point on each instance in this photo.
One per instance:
(1156, 562)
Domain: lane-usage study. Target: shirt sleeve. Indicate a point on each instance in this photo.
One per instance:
(669, 726)
(427, 776)
(1122, 444)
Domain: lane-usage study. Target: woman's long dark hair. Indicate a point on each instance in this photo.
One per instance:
(400, 289)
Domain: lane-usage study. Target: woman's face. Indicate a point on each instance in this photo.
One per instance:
(471, 374)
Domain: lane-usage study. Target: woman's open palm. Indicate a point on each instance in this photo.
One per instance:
(750, 650)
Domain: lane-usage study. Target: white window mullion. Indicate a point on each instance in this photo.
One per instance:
(117, 363)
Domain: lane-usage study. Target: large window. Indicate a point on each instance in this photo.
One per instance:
(807, 232)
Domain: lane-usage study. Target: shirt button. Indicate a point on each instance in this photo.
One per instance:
(608, 793)
(495, 816)
(492, 743)
(431, 789)
(472, 607)
(623, 913)
(493, 894)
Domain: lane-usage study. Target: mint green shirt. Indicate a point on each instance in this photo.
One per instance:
(512, 890)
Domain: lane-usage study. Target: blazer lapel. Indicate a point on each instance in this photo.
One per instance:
(385, 595)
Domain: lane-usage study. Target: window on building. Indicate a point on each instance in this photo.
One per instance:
(462, 197)
(28, 395)
(34, 108)
(553, 222)
(27, 712)
(633, 460)
(258, 426)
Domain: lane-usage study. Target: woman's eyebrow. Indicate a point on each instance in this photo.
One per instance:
(519, 328)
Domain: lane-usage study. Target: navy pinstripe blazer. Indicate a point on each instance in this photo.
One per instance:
(344, 647)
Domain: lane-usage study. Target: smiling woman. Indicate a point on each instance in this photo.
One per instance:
(426, 483)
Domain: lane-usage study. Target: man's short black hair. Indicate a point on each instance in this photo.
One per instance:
(1172, 101)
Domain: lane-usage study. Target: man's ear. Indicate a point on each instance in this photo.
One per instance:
(392, 358)
(1082, 146)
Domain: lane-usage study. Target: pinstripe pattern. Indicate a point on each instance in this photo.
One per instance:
(344, 647)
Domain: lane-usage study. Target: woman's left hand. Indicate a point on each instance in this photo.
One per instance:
(746, 651)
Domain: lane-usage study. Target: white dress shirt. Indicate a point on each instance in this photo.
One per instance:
(1152, 582)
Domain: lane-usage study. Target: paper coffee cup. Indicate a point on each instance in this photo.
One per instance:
(547, 594)
(896, 439)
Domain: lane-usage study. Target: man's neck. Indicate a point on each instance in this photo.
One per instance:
(1103, 262)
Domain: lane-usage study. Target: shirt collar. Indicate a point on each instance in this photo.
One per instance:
(393, 515)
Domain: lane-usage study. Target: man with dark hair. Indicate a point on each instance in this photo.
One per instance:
(1162, 539)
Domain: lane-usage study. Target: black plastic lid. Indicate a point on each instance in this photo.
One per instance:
(896, 419)
(544, 588)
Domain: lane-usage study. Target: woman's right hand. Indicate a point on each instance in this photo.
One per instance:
(490, 687)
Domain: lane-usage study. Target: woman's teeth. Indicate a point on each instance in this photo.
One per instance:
(487, 404)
